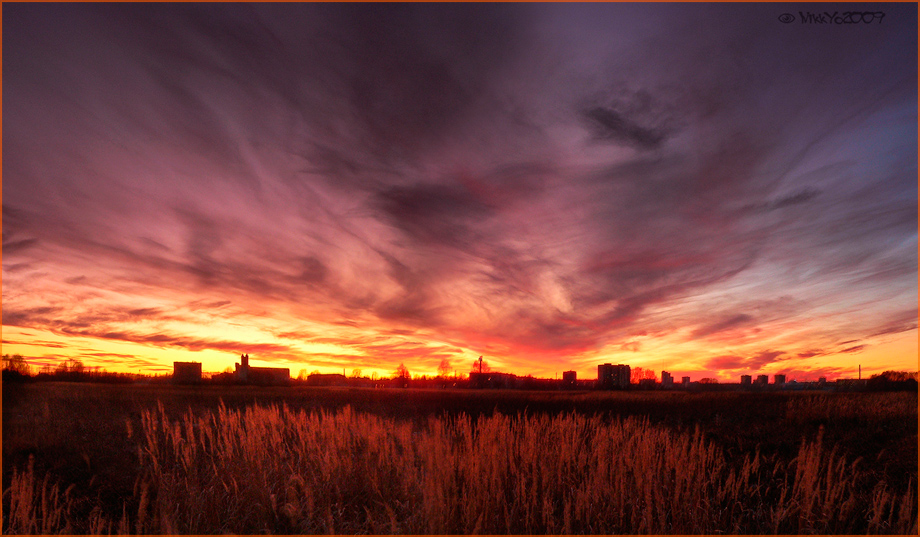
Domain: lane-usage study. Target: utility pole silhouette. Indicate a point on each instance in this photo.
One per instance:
(480, 364)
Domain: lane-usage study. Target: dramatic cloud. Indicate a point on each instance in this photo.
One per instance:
(724, 324)
(855, 348)
(549, 185)
(752, 363)
(615, 126)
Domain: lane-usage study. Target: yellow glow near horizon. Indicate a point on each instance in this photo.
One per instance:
(40, 347)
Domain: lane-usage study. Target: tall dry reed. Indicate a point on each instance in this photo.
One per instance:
(270, 469)
(35, 507)
(848, 406)
(276, 470)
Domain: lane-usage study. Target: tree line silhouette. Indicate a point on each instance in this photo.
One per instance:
(17, 369)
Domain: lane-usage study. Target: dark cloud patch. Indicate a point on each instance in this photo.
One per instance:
(611, 125)
(63, 317)
(764, 358)
(14, 247)
(399, 332)
(623, 284)
(414, 305)
(546, 335)
(13, 268)
(10, 215)
(414, 73)
(897, 323)
(754, 362)
(637, 278)
(198, 305)
(15, 224)
(799, 198)
(162, 248)
(727, 323)
(35, 342)
(30, 317)
(403, 351)
(434, 214)
(298, 334)
(508, 184)
(413, 309)
(313, 270)
(204, 240)
(145, 312)
(121, 336)
(559, 333)
(666, 226)
(402, 274)
(855, 348)
(188, 343)
(803, 196)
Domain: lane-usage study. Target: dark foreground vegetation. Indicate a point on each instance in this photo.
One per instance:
(105, 458)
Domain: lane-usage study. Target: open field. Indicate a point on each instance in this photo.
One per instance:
(161, 459)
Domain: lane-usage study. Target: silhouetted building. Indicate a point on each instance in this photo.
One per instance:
(532, 383)
(746, 380)
(779, 380)
(261, 375)
(613, 376)
(763, 380)
(685, 382)
(242, 369)
(795, 385)
(327, 379)
(186, 372)
(569, 380)
(667, 381)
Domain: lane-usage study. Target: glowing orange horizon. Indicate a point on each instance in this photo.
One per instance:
(46, 348)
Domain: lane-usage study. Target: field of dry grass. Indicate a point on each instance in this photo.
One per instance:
(262, 465)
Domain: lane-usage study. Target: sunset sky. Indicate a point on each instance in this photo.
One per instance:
(698, 188)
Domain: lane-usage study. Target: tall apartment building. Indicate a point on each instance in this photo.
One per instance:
(667, 381)
(613, 376)
(569, 379)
